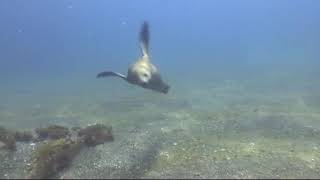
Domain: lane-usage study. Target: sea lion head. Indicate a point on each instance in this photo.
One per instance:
(148, 77)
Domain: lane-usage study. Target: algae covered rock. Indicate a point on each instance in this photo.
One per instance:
(7, 138)
(23, 136)
(96, 134)
(75, 128)
(10, 137)
(54, 147)
(52, 132)
(130, 156)
(53, 156)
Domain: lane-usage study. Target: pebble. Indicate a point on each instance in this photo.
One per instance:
(165, 154)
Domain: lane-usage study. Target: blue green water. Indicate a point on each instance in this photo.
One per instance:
(244, 100)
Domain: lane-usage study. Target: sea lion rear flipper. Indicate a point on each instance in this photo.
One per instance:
(145, 38)
(110, 73)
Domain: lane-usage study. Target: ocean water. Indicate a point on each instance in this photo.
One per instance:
(244, 100)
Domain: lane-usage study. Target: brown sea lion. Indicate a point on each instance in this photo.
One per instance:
(142, 73)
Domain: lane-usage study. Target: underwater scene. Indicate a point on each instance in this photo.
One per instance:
(159, 89)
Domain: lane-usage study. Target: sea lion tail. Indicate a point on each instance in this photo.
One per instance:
(110, 73)
(145, 38)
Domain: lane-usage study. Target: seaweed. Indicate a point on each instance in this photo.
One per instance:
(53, 156)
(52, 132)
(96, 134)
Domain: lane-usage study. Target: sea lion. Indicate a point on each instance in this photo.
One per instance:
(142, 73)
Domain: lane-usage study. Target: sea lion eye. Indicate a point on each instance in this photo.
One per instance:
(145, 74)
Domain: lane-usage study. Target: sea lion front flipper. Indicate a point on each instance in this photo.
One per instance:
(110, 73)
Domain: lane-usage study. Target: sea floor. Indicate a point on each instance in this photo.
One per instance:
(214, 129)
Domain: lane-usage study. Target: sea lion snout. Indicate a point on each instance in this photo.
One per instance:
(156, 84)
